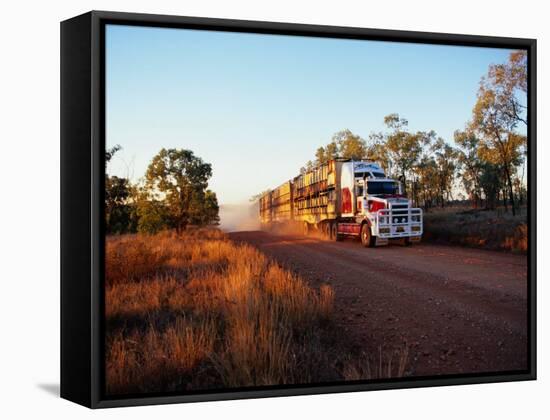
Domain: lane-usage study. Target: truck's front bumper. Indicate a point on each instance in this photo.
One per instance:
(395, 224)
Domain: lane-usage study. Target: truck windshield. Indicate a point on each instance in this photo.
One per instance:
(382, 187)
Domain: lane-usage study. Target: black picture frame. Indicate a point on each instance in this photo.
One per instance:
(82, 188)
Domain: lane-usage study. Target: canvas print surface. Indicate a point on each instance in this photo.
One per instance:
(285, 210)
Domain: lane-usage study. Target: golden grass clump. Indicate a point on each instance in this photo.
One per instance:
(131, 258)
(198, 311)
(144, 361)
(518, 240)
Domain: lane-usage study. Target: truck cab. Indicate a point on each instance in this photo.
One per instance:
(377, 204)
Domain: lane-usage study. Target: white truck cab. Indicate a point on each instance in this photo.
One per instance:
(378, 202)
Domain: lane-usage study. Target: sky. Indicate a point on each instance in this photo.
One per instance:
(258, 106)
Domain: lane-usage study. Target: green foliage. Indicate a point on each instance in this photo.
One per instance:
(153, 216)
(426, 187)
(490, 181)
(120, 211)
(344, 144)
(470, 163)
(403, 149)
(209, 210)
(446, 161)
(175, 195)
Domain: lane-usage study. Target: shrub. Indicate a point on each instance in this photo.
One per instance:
(478, 228)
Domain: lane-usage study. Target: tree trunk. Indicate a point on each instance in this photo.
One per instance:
(510, 189)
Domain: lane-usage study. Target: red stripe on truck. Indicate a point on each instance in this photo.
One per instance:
(349, 228)
(346, 200)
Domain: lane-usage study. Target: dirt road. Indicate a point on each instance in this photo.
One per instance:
(457, 310)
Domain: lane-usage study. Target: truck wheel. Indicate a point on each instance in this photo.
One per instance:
(306, 229)
(325, 228)
(366, 236)
(408, 242)
(334, 232)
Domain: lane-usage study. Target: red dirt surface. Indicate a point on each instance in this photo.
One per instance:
(457, 310)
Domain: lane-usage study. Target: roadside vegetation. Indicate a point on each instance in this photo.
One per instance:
(172, 194)
(195, 311)
(487, 229)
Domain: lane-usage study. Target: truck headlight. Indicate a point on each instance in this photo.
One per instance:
(384, 230)
(415, 228)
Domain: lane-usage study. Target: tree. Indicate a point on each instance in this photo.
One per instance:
(377, 151)
(426, 187)
(497, 113)
(344, 144)
(208, 212)
(509, 83)
(120, 211)
(350, 146)
(404, 149)
(153, 214)
(175, 184)
(470, 163)
(490, 181)
(445, 159)
(324, 154)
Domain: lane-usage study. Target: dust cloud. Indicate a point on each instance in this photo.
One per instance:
(239, 217)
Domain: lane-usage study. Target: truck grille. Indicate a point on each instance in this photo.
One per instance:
(399, 207)
(400, 213)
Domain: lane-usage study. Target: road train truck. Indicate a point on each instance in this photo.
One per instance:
(343, 197)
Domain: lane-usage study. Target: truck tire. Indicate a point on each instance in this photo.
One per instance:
(325, 229)
(334, 232)
(367, 240)
(408, 242)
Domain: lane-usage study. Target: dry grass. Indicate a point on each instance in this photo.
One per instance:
(198, 311)
(495, 229)
(383, 365)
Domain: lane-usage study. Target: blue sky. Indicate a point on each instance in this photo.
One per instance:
(257, 106)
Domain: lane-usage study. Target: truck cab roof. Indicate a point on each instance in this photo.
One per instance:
(371, 170)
